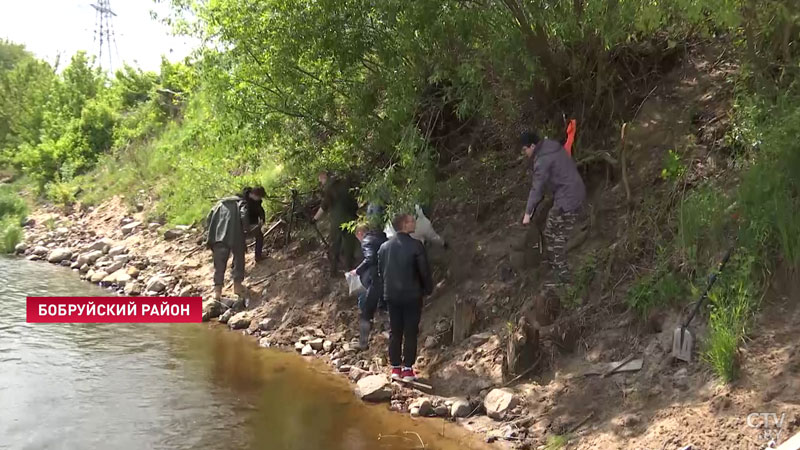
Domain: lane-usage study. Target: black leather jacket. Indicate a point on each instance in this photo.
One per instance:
(368, 269)
(403, 267)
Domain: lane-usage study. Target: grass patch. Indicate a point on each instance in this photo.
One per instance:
(579, 288)
(10, 234)
(556, 442)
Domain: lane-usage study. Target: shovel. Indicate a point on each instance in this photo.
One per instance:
(682, 339)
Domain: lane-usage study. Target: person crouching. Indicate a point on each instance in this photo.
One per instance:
(403, 268)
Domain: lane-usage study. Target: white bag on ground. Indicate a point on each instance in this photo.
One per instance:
(354, 283)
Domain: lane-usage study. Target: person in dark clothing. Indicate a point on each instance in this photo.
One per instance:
(341, 207)
(403, 269)
(553, 168)
(367, 271)
(256, 217)
(226, 224)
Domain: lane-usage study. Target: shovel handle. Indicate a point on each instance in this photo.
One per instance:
(711, 280)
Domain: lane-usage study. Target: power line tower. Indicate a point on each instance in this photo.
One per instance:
(104, 30)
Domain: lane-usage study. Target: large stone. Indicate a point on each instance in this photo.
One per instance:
(267, 324)
(153, 226)
(59, 254)
(133, 288)
(173, 234)
(156, 284)
(20, 248)
(90, 257)
(133, 271)
(41, 250)
(98, 276)
(211, 309)
(460, 408)
(111, 268)
(307, 350)
(61, 231)
(118, 277)
(226, 316)
(355, 374)
(422, 406)
(130, 228)
(317, 343)
(116, 250)
(240, 320)
(499, 402)
(374, 388)
(84, 268)
(327, 346)
(121, 258)
(101, 244)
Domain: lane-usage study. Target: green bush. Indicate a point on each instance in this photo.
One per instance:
(11, 204)
(657, 289)
(10, 234)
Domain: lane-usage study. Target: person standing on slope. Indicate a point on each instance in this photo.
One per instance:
(256, 217)
(341, 207)
(403, 268)
(553, 168)
(226, 225)
(371, 238)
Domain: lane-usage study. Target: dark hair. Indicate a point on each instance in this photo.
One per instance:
(259, 191)
(528, 138)
(399, 220)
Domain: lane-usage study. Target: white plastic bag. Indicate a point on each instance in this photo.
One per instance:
(389, 230)
(354, 283)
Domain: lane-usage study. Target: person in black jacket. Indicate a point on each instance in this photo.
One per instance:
(403, 268)
(256, 217)
(367, 271)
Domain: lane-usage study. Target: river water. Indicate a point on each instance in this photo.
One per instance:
(173, 386)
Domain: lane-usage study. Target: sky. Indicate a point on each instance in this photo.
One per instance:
(50, 27)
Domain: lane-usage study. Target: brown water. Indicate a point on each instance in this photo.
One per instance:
(173, 386)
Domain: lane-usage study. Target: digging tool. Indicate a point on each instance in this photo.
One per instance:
(682, 339)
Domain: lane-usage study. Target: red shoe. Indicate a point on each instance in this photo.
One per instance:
(408, 374)
(396, 373)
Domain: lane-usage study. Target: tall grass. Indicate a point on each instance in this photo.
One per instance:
(12, 212)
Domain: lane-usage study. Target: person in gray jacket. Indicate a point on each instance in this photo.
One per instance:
(226, 224)
(554, 168)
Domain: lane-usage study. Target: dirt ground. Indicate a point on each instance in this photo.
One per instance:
(493, 261)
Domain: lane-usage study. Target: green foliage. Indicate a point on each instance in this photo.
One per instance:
(673, 167)
(10, 234)
(556, 442)
(701, 219)
(579, 287)
(659, 288)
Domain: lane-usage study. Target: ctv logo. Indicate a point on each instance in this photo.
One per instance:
(770, 424)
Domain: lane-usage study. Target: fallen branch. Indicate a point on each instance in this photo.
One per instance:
(581, 423)
(619, 366)
(527, 371)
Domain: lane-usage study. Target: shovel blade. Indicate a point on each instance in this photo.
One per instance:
(682, 344)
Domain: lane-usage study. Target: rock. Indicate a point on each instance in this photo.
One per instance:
(240, 320)
(90, 257)
(298, 346)
(59, 254)
(211, 309)
(133, 288)
(226, 316)
(130, 228)
(185, 291)
(414, 411)
(126, 220)
(266, 324)
(317, 343)
(172, 234)
(84, 268)
(100, 244)
(103, 261)
(356, 374)
(498, 402)
(264, 342)
(62, 231)
(74, 265)
(627, 421)
(29, 223)
(327, 346)
(98, 276)
(132, 271)
(116, 250)
(65, 263)
(156, 284)
(441, 411)
(121, 258)
(118, 277)
(460, 408)
(33, 257)
(307, 350)
(111, 268)
(20, 248)
(374, 388)
(423, 406)
(40, 250)
(430, 342)
(140, 207)
(152, 226)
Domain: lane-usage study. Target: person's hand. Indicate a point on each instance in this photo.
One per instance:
(352, 272)
(526, 219)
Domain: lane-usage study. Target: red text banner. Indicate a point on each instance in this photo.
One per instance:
(114, 309)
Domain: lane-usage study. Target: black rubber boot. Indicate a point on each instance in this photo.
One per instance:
(364, 327)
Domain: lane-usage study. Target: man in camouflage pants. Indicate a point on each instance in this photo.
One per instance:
(555, 169)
